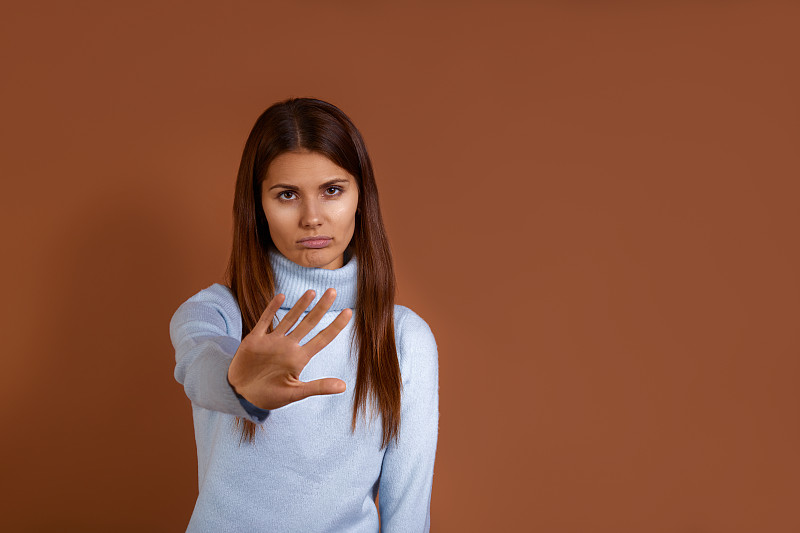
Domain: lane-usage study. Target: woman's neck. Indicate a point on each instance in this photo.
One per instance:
(294, 280)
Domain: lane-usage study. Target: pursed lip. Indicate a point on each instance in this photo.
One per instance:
(314, 238)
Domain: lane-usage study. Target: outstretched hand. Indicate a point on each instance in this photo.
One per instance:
(266, 367)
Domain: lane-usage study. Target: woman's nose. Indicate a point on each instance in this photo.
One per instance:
(311, 214)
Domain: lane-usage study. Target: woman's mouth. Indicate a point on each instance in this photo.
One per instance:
(316, 243)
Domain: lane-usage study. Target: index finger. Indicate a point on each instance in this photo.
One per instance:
(325, 336)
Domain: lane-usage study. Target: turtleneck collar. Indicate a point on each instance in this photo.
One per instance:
(294, 280)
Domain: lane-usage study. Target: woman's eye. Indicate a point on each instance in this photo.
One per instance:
(336, 192)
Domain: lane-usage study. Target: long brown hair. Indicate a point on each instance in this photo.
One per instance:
(299, 124)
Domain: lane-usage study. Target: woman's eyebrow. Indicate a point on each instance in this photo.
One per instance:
(323, 186)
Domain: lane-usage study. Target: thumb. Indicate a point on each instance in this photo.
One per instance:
(322, 386)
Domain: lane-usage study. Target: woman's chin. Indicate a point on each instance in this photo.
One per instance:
(319, 258)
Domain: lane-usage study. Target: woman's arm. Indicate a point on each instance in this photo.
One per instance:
(407, 474)
(204, 348)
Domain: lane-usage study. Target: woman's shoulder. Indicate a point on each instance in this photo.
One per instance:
(406, 318)
(212, 303)
(414, 336)
(216, 294)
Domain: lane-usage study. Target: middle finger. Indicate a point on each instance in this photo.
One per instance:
(314, 316)
(294, 313)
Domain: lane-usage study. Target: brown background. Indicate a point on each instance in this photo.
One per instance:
(593, 204)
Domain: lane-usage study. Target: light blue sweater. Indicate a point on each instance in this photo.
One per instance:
(306, 471)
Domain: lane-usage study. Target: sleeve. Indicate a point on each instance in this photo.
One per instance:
(252, 410)
(203, 352)
(406, 480)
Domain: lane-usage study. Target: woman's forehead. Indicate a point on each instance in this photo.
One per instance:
(304, 168)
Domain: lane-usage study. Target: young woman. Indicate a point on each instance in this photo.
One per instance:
(284, 439)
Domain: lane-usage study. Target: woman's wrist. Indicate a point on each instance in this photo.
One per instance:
(235, 389)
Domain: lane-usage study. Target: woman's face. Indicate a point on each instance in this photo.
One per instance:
(305, 194)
